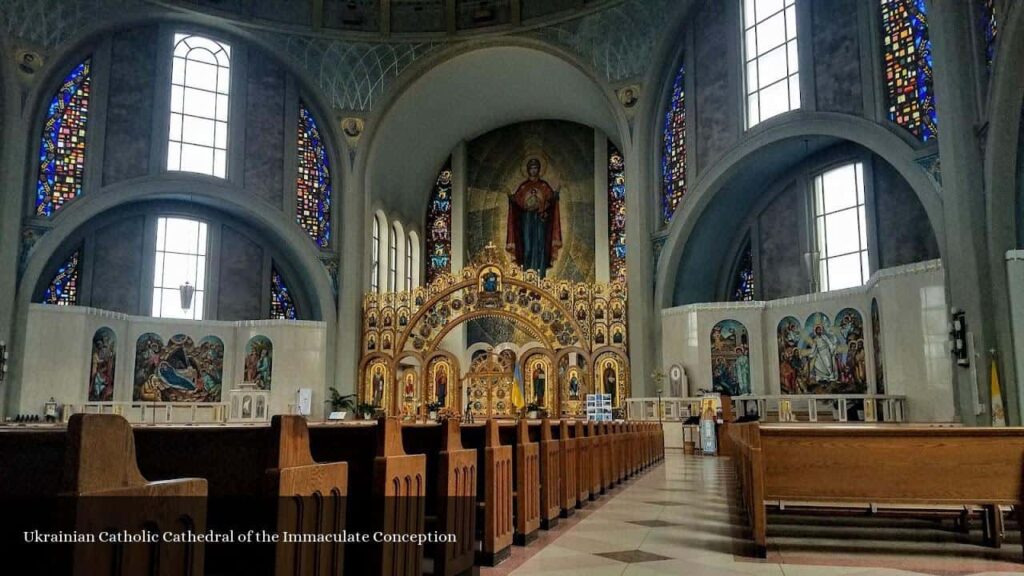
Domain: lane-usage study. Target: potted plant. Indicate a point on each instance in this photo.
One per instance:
(531, 410)
(341, 403)
(366, 410)
(432, 409)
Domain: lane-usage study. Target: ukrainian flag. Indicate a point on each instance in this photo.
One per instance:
(518, 400)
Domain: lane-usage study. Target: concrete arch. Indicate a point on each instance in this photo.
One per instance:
(780, 139)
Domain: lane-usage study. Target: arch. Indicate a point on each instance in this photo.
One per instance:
(781, 139)
(535, 77)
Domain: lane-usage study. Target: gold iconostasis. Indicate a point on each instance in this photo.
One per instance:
(578, 343)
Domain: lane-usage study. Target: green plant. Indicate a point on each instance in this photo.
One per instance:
(341, 403)
(533, 407)
(434, 406)
(365, 408)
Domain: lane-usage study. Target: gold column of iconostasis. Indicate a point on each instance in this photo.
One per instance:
(580, 329)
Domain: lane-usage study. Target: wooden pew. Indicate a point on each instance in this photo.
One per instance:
(597, 460)
(583, 463)
(608, 456)
(567, 454)
(526, 481)
(387, 492)
(494, 491)
(85, 479)
(550, 505)
(451, 492)
(261, 478)
(884, 464)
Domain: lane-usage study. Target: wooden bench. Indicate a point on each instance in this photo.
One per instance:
(550, 503)
(877, 464)
(494, 491)
(526, 481)
(451, 492)
(260, 477)
(583, 463)
(387, 493)
(85, 479)
(568, 493)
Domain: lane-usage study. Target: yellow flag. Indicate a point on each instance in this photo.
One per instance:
(517, 392)
(998, 413)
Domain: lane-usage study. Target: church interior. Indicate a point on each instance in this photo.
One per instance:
(531, 287)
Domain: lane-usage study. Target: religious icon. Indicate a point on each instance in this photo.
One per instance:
(534, 233)
(410, 385)
(386, 342)
(441, 386)
(101, 374)
(490, 282)
(610, 380)
(574, 386)
(258, 361)
(378, 385)
(371, 343)
(539, 384)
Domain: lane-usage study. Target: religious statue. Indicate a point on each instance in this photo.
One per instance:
(534, 233)
(539, 381)
(378, 386)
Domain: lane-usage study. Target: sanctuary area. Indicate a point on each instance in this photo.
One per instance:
(450, 287)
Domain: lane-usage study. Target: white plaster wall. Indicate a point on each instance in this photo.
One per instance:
(1015, 282)
(912, 304)
(58, 353)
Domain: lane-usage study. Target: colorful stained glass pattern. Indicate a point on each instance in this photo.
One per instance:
(616, 212)
(673, 154)
(63, 289)
(989, 29)
(62, 150)
(908, 67)
(313, 185)
(439, 225)
(743, 283)
(282, 307)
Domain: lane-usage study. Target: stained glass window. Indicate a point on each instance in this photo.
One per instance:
(908, 67)
(673, 154)
(200, 82)
(62, 150)
(313, 186)
(616, 212)
(282, 307)
(771, 58)
(743, 283)
(439, 225)
(989, 28)
(63, 289)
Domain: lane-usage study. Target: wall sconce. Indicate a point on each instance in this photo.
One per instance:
(187, 290)
(3, 361)
(958, 337)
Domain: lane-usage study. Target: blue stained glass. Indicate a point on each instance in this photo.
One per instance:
(62, 150)
(313, 184)
(743, 283)
(63, 289)
(439, 225)
(990, 28)
(616, 212)
(908, 67)
(282, 307)
(673, 155)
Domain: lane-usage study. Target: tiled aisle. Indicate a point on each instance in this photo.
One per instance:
(678, 518)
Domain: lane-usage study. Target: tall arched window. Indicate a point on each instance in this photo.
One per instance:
(908, 67)
(313, 184)
(375, 257)
(771, 57)
(282, 305)
(63, 289)
(198, 132)
(62, 150)
(616, 212)
(393, 258)
(408, 263)
(181, 248)
(673, 153)
(743, 281)
(439, 225)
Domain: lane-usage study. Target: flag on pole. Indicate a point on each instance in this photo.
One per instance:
(517, 390)
(998, 413)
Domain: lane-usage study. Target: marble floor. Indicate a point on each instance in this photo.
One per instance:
(681, 518)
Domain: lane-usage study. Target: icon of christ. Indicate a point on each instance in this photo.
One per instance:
(534, 233)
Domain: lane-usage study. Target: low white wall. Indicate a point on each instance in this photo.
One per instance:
(58, 354)
(912, 306)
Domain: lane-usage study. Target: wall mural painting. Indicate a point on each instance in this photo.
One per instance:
(104, 361)
(730, 358)
(181, 371)
(440, 381)
(376, 391)
(823, 358)
(259, 362)
(530, 191)
(876, 342)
